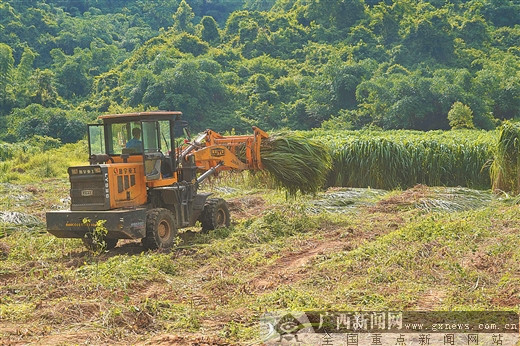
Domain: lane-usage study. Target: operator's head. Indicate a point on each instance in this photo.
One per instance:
(136, 132)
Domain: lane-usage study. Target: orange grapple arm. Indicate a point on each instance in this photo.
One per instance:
(223, 149)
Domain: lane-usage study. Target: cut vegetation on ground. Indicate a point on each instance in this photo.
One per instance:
(343, 249)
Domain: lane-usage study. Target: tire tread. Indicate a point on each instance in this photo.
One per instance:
(152, 220)
(209, 213)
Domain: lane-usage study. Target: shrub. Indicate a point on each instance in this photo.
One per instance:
(505, 170)
(460, 116)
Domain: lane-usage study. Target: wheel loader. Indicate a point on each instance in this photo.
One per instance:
(143, 183)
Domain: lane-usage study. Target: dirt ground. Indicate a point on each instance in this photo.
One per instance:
(211, 289)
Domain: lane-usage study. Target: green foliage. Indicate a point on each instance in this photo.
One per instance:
(390, 159)
(187, 43)
(460, 116)
(502, 12)
(35, 120)
(6, 75)
(40, 157)
(505, 170)
(183, 18)
(209, 31)
(392, 64)
(339, 14)
(399, 99)
(430, 37)
(96, 236)
(296, 163)
(42, 88)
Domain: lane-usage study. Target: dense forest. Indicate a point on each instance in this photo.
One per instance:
(230, 64)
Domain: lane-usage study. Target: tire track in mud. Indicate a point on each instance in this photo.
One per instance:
(293, 266)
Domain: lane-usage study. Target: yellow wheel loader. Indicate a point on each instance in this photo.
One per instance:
(144, 184)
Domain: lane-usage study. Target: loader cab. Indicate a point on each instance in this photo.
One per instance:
(147, 137)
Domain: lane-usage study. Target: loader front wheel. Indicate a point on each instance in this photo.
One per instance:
(215, 214)
(161, 229)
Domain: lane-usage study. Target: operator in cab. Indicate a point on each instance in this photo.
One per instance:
(135, 143)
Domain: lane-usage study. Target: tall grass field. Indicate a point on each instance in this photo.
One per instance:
(403, 158)
(367, 158)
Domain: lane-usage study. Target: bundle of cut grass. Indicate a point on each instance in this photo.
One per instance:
(295, 162)
(505, 170)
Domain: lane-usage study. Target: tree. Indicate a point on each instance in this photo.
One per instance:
(345, 79)
(35, 120)
(24, 69)
(73, 80)
(209, 32)
(189, 87)
(474, 31)
(397, 100)
(66, 130)
(498, 85)
(6, 75)
(187, 43)
(502, 12)
(248, 31)
(342, 14)
(183, 18)
(460, 116)
(44, 92)
(430, 37)
(23, 75)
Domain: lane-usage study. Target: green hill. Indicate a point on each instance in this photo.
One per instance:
(296, 64)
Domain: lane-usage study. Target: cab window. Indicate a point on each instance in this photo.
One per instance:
(156, 136)
(125, 138)
(96, 137)
(165, 140)
(151, 136)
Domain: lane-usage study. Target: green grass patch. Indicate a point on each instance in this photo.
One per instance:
(123, 271)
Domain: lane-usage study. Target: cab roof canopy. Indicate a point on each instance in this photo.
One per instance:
(154, 115)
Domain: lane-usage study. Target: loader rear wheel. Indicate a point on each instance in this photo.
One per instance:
(215, 215)
(92, 246)
(161, 229)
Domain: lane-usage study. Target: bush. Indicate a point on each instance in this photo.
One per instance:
(460, 116)
(35, 120)
(187, 43)
(505, 170)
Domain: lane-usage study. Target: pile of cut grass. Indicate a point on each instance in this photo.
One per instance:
(295, 162)
(505, 170)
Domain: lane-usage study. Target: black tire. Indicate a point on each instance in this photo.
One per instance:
(161, 229)
(89, 244)
(215, 215)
